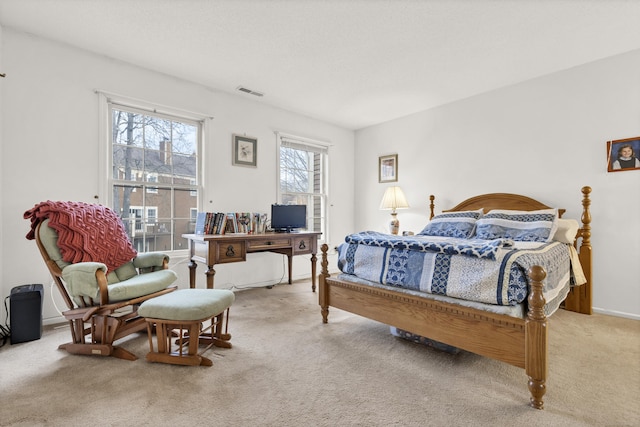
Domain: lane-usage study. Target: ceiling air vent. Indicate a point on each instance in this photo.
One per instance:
(249, 91)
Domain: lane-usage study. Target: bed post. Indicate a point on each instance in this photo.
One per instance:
(431, 206)
(579, 298)
(323, 297)
(535, 346)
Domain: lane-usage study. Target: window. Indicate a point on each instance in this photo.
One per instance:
(153, 175)
(302, 178)
(152, 178)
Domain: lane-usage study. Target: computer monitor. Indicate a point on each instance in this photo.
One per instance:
(285, 218)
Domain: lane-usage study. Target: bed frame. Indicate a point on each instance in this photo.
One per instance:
(519, 342)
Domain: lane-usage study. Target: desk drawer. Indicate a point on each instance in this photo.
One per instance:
(230, 252)
(268, 243)
(304, 245)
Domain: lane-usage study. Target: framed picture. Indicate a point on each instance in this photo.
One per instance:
(245, 151)
(623, 154)
(388, 168)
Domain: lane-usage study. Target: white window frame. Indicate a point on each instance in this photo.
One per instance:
(105, 178)
(322, 147)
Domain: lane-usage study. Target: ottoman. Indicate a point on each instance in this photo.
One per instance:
(184, 311)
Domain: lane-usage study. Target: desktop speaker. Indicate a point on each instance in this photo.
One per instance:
(26, 313)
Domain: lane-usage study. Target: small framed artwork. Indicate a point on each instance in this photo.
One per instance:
(245, 151)
(623, 154)
(388, 168)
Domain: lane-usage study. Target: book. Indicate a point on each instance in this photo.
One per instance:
(200, 222)
(230, 222)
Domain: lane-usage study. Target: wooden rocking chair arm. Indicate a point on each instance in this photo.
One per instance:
(103, 286)
(80, 313)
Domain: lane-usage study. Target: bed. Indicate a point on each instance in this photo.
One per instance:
(517, 338)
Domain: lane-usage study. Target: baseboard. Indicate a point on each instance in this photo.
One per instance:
(616, 313)
(51, 321)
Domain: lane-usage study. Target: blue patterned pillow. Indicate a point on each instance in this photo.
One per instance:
(452, 224)
(524, 226)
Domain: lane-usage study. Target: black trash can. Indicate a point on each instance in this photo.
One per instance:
(26, 313)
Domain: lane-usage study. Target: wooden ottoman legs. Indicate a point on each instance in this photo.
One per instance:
(185, 311)
(186, 352)
(216, 336)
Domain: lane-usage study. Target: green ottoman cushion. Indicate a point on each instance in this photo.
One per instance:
(188, 304)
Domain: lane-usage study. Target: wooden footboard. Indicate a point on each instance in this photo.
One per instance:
(519, 342)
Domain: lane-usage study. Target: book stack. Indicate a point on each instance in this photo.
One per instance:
(230, 222)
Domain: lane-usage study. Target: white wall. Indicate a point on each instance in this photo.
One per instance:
(50, 152)
(1, 157)
(545, 138)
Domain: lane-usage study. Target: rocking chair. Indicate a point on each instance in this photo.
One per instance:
(103, 308)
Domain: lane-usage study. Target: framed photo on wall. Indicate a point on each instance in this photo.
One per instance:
(245, 151)
(388, 168)
(623, 154)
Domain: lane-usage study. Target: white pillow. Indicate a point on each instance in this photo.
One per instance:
(567, 230)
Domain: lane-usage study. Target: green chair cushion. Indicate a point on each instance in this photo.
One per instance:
(49, 238)
(125, 272)
(142, 284)
(150, 260)
(188, 304)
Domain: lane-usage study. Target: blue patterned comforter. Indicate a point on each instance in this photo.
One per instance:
(490, 272)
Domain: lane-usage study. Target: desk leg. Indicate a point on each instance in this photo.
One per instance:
(192, 274)
(210, 273)
(313, 272)
(289, 258)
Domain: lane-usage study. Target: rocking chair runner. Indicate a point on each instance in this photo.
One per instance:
(103, 308)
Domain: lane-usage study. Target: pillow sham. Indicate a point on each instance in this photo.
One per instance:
(523, 226)
(452, 224)
(566, 231)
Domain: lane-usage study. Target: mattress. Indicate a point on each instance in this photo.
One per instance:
(488, 272)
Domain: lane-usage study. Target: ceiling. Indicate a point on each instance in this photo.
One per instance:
(353, 63)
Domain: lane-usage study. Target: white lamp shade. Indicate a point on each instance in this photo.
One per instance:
(394, 199)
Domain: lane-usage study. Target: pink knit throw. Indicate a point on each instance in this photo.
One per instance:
(85, 232)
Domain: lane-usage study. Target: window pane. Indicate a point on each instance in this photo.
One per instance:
(302, 180)
(182, 226)
(161, 200)
(185, 139)
(156, 130)
(155, 165)
(295, 171)
(151, 155)
(127, 128)
(184, 168)
(122, 197)
(184, 204)
(127, 163)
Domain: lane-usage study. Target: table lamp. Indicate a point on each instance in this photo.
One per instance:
(394, 199)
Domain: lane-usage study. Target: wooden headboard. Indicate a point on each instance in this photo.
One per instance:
(580, 297)
(496, 201)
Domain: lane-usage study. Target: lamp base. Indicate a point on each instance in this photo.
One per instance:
(394, 224)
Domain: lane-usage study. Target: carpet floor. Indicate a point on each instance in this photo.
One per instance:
(286, 368)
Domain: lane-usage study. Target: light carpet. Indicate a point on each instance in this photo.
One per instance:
(286, 368)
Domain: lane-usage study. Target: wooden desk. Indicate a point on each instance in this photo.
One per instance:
(212, 249)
